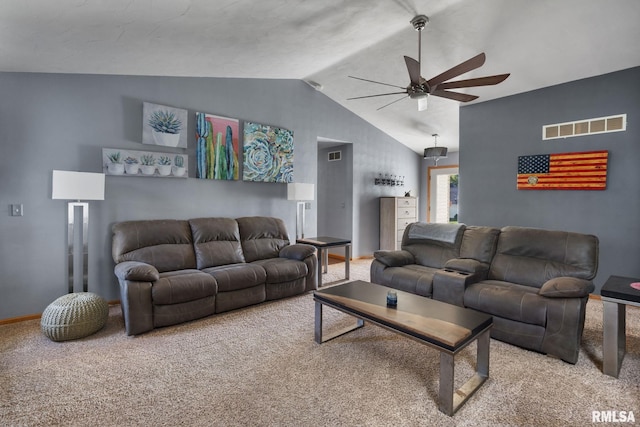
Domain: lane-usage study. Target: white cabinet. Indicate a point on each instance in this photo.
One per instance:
(395, 214)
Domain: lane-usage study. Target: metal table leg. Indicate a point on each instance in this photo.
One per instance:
(613, 336)
(448, 400)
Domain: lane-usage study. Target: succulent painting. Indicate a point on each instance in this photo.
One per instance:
(115, 157)
(165, 122)
(164, 161)
(131, 160)
(148, 160)
(179, 161)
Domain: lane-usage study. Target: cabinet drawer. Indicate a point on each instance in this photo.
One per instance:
(399, 237)
(408, 212)
(403, 222)
(406, 202)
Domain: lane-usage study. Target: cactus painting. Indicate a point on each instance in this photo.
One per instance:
(217, 147)
(268, 153)
(165, 126)
(144, 163)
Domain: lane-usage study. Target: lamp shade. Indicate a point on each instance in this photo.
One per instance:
(70, 185)
(300, 191)
(436, 152)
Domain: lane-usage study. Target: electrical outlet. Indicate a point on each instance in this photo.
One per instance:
(307, 205)
(16, 210)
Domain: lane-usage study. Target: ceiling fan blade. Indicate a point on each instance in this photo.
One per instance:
(413, 67)
(373, 81)
(393, 102)
(462, 97)
(468, 65)
(480, 81)
(380, 94)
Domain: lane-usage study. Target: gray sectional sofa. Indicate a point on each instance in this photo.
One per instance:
(534, 282)
(173, 271)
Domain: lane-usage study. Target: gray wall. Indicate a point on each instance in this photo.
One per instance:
(335, 193)
(493, 134)
(62, 121)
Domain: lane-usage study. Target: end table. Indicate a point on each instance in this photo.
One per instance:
(323, 244)
(616, 294)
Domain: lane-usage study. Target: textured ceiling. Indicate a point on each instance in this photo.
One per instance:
(541, 43)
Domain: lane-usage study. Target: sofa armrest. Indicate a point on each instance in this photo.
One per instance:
(136, 271)
(298, 251)
(394, 258)
(468, 265)
(566, 287)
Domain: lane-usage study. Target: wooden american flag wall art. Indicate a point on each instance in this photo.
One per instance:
(563, 171)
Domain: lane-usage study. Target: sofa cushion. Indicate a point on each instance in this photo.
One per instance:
(237, 276)
(566, 287)
(262, 237)
(165, 244)
(281, 270)
(216, 241)
(436, 232)
(413, 278)
(432, 245)
(507, 300)
(531, 256)
(181, 286)
(479, 243)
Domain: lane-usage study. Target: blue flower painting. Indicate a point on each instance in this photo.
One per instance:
(268, 153)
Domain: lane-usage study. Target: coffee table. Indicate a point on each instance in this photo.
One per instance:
(445, 327)
(323, 244)
(616, 294)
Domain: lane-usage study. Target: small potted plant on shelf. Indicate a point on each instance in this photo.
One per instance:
(164, 166)
(178, 168)
(115, 166)
(148, 164)
(166, 128)
(131, 166)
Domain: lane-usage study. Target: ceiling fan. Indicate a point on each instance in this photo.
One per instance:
(419, 88)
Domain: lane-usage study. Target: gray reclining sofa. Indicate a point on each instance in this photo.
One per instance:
(534, 282)
(174, 271)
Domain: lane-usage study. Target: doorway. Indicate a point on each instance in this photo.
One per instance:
(335, 189)
(442, 197)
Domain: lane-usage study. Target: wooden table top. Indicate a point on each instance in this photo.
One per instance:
(439, 323)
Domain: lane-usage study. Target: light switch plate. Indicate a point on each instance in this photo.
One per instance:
(16, 210)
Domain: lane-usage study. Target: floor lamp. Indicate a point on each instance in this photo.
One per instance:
(69, 185)
(300, 192)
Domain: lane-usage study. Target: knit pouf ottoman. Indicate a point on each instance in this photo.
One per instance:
(74, 316)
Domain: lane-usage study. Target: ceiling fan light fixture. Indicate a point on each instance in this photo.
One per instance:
(422, 103)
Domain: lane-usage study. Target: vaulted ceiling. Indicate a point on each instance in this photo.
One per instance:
(541, 43)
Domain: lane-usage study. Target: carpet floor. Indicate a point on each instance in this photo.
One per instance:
(260, 366)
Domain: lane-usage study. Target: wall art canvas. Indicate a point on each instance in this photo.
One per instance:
(563, 171)
(164, 126)
(116, 161)
(267, 153)
(217, 147)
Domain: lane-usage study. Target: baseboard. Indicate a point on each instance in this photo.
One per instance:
(341, 257)
(11, 320)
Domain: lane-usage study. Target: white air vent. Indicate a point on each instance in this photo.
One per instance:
(335, 156)
(585, 127)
